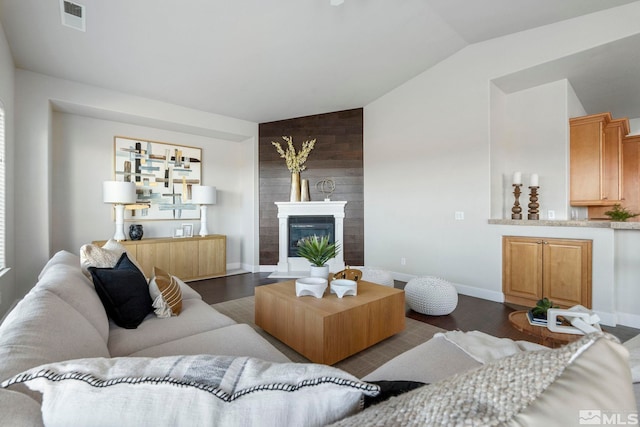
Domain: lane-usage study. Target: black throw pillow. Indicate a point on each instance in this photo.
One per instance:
(124, 292)
(389, 389)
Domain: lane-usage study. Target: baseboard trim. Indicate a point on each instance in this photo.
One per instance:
(256, 268)
(480, 293)
(234, 266)
(236, 271)
(626, 319)
(462, 289)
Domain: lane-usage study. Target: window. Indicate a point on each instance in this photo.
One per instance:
(2, 191)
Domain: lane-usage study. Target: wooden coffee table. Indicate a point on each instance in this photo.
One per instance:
(329, 329)
(518, 320)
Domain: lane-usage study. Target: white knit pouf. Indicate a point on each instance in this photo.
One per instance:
(431, 295)
(374, 275)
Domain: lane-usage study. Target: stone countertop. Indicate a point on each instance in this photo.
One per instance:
(568, 223)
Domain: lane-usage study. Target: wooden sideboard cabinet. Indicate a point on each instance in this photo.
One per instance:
(596, 160)
(189, 258)
(537, 267)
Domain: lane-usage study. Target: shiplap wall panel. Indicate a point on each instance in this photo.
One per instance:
(338, 154)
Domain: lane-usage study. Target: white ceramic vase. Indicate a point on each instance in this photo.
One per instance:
(322, 272)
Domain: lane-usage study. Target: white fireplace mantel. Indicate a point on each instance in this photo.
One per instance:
(296, 266)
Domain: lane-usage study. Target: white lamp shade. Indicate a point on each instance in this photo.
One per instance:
(203, 195)
(118, 192)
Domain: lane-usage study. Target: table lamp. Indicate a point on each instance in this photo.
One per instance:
(119, 193)
(203, 195)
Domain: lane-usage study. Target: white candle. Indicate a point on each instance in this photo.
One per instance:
(517, 178)
(534, 180)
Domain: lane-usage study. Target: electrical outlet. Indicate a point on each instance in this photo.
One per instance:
(459, 216)
(403, 261)
(551, 214)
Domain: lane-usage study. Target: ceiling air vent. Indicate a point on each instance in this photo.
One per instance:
(73, 15)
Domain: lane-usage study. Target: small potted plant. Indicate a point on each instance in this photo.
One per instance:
(540, 310)
(318, 250)
(620, 214)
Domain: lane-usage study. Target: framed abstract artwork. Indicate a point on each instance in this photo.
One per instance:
(163, 173)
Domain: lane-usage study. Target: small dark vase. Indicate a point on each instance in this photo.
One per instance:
(135, 231)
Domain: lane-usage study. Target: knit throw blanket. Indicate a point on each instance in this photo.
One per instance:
(490, 395)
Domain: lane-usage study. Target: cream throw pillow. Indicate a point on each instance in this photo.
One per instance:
(165, 293)
(103, 257)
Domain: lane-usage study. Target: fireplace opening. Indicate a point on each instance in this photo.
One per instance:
(301, 227)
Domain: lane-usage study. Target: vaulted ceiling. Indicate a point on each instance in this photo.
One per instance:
(265, 60)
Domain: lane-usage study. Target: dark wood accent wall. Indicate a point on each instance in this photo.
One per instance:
(338, 155)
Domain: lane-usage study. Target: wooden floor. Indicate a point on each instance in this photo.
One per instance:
(470, 314)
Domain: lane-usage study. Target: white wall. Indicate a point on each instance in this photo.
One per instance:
(428, 154)
(7, 281)
(531, 137)
(428, 149)
(627, 250)
(574, 106)
(38, 172)
(82, 157)
(575, 109)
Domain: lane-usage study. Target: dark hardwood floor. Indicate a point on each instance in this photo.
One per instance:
(470, 314)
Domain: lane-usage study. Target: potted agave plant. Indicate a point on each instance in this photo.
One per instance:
(318, 250)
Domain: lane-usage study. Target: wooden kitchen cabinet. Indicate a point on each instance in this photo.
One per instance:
(188, 258)
(536, 267)
(631, 174)
(630, 178)
(596, 159)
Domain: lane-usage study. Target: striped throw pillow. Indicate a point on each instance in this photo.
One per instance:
(165, 293)
(212, 390)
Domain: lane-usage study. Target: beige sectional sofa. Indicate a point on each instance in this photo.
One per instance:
(62, 318)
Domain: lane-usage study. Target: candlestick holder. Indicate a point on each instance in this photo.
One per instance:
(533, 203)
(516, 210)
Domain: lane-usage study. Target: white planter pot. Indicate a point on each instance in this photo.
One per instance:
(322, 272)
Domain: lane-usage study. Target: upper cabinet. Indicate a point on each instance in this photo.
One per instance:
(630, 179)
(631, 174)
(596, 160)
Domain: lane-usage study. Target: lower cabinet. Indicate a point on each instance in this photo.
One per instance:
(537, 267)
(188, 258)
